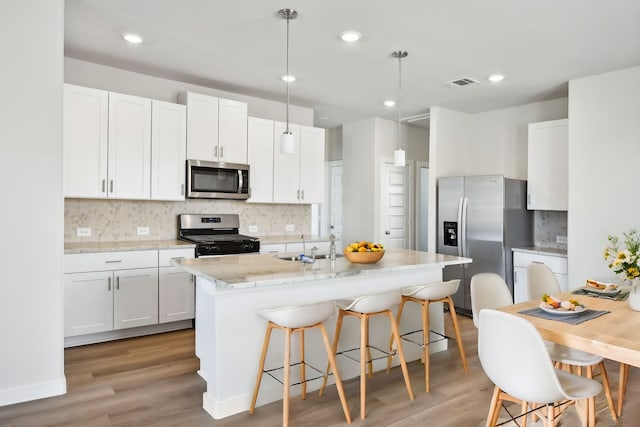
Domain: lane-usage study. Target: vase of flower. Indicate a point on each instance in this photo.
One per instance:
(623, 257)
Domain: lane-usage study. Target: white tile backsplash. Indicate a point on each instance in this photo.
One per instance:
(547, 226)
(118, 220)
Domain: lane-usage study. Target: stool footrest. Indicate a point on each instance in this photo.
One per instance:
(384, 353)
(422, 344)
(272, 373)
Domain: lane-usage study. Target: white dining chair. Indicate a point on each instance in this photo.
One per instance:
(488, 290)
(540, 281)
(521, 369)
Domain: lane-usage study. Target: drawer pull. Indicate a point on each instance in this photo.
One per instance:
(113, 262)
(109, 282)
(117, 283)
(175, 258)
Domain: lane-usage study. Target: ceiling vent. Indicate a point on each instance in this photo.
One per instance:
(464, 81)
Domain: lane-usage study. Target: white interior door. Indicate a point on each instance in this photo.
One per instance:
(396, 206)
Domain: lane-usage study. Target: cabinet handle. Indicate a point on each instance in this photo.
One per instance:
(222, 152)
(302, 194)
(177, 258)
(113, 261)
(109, 282)
(215, 151)
(298, 195)
(104, 185)
(182, 189)
(111, 186)
(118, 283)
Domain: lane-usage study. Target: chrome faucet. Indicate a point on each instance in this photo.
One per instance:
(304, 246)
(332, 248)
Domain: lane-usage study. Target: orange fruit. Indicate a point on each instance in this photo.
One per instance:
(362, 249)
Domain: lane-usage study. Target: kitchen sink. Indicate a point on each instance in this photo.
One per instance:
(297, 257)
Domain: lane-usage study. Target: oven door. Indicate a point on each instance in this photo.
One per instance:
(217, 180)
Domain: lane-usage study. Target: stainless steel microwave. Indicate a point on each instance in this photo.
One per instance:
(217, 180)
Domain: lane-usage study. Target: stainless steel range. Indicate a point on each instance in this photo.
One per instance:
(215, 235)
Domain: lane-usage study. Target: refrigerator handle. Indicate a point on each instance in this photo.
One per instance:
(463, 234)
(460, 226)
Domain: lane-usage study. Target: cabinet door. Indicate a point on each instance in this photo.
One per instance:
(519, 284)
(202, 126)
(168, 150)
(286, 167)
(176, 299)
(135, 300)
(311, 165)
(129, 147)
(547, 177)
(85, 127)
(88, 303)
(260, 158)
(232, 131)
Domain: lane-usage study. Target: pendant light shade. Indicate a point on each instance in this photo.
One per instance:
(399, 154)
(398, 157)
(286, 139)
(286, 143)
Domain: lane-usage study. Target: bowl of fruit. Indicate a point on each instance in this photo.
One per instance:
(364, 252)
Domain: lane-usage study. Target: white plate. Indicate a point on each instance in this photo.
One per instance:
(560, 311)
(605, 291)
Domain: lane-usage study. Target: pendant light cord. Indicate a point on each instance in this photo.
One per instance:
(399, 97)
(287, 73)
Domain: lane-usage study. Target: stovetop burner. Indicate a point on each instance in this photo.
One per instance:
(215, 234)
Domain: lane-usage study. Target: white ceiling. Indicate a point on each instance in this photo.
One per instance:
(239, 46)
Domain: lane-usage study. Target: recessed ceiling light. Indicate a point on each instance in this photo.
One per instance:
(350, 36)
(132, 38)
(389, 103)
(495, 78)
(288, 78)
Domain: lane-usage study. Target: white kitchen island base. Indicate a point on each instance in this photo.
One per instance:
(229, 332)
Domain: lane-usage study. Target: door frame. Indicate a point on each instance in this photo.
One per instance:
(418, 197)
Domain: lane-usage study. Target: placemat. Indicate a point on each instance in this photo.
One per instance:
(622, 296)
(575, 319)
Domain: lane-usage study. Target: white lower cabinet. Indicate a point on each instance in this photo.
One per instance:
(110, 291)
(521, 260)
(176, 299)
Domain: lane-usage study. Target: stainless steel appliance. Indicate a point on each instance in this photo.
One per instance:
(215, 234)
(217, 180)
(481, 217)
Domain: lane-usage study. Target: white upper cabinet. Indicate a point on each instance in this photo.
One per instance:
(108, 140)
(260, 159)
(85, 130)
(232, 131)
(547, 177)
(311, 165)
(216, 128)
(286, 167)
(129, 165)
(168, 150)
(285, 178)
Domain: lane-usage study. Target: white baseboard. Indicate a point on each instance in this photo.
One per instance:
(29, 392)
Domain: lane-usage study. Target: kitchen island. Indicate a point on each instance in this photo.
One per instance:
(231, 290)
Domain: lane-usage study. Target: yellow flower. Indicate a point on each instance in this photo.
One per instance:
(621, 256)
(633, 272)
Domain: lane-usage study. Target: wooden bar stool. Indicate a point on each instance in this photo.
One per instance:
(425, 295)
(291, 320)
(364, 308)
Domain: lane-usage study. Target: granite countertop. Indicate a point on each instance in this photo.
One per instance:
(245, 271)
(131, 245)
(542, 250)
(292, 238)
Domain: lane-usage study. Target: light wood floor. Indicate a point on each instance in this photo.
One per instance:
(152, 381)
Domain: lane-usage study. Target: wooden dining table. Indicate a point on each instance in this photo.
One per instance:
(614, 335)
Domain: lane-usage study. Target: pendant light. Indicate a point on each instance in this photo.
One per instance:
(286, 139)
(398, 154)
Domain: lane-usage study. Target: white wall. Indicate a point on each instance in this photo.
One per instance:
(98, 76)
(604, 145)
(31, 320)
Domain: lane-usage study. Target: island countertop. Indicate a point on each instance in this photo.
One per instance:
(246, 271)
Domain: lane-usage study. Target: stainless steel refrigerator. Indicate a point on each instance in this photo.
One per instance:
(482, 217)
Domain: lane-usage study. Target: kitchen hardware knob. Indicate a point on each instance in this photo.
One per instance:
(222, 151)
(117, 283)
(215, 151)
(113, 261)
(111, 186)
(109, 284)
(104, 185)
(302, 194)
(298, 195)
(387, 232)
